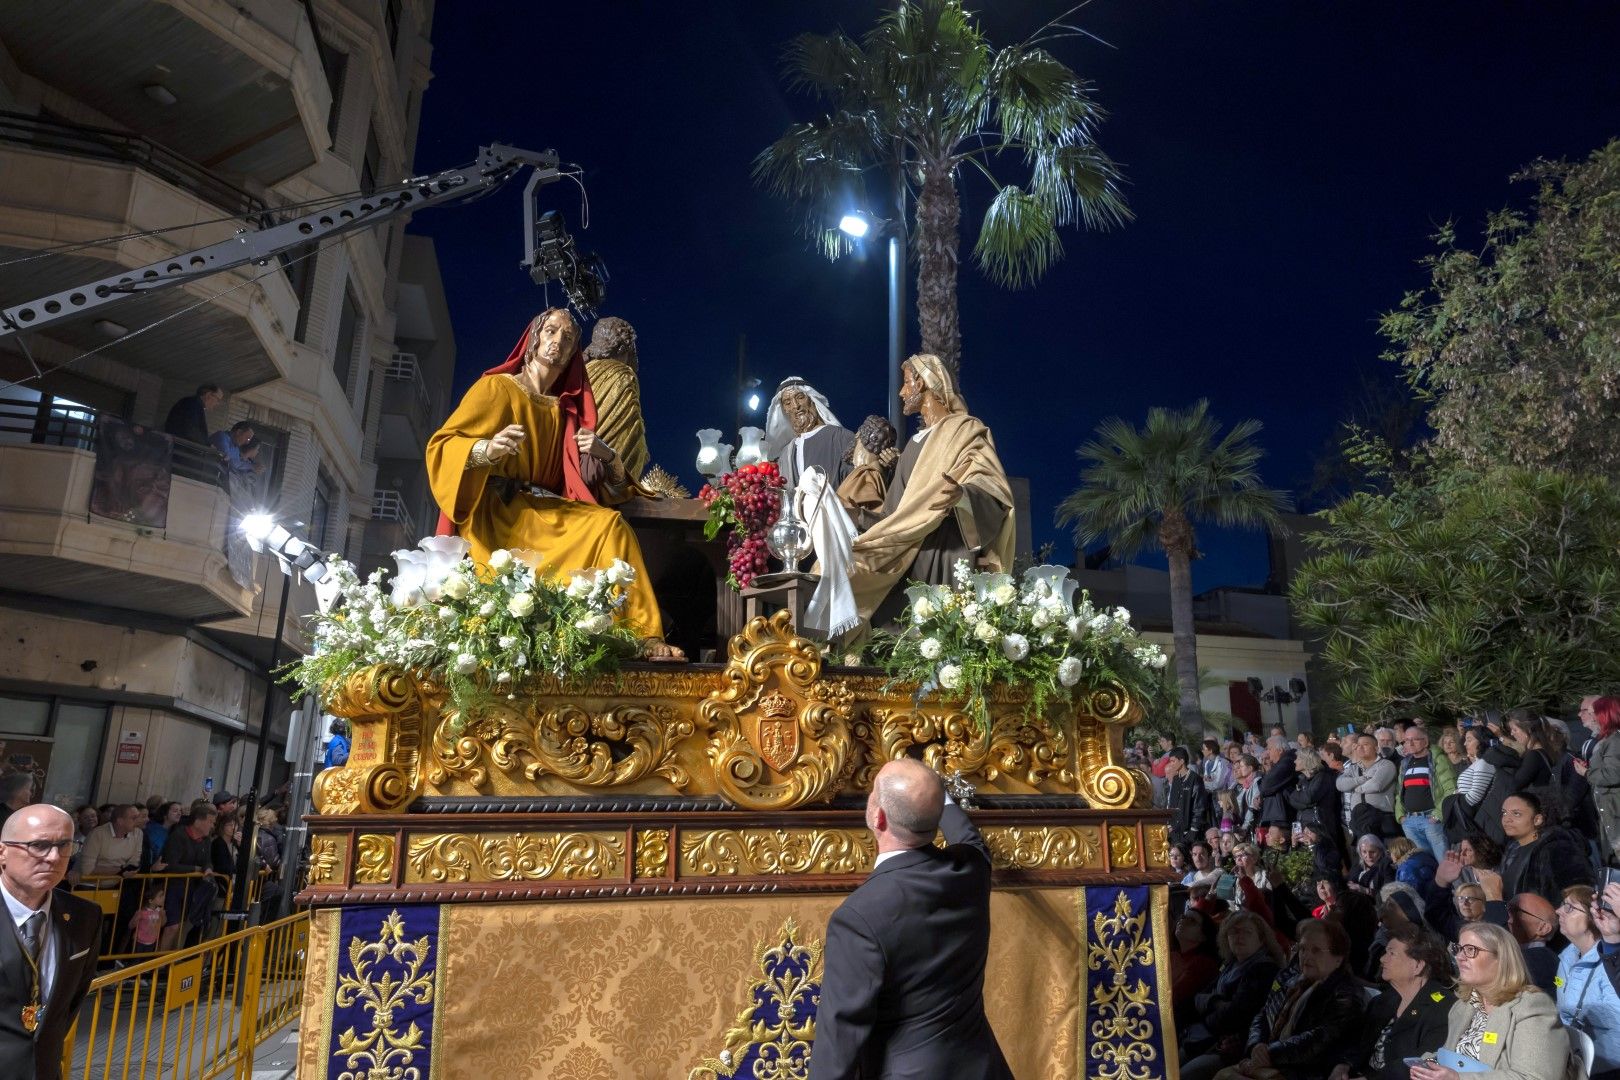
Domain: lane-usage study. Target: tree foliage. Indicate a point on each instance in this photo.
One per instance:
(1457, 591)
(1517, 346)
(924, 86)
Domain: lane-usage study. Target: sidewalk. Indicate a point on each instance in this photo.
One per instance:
(277, 1058)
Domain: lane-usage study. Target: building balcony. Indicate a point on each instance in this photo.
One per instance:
(410, 410)
(236, 85)
(74, 185)
(51, 545)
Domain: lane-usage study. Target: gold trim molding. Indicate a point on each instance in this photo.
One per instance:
(517, 856)
(749, 852)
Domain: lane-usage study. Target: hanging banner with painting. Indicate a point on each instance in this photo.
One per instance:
(134, 466)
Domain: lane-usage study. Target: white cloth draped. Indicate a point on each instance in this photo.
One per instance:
(831, 610)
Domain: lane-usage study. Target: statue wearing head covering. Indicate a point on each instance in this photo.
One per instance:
(610, 365)
(801, 432)
(949, 498)
(871, 460)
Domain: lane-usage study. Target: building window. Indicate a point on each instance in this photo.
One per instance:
(336, 64)
(59, 740)
(371, 166)
(320, 512)
(300, 266)
(348, 329)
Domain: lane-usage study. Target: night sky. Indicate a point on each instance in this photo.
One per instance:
(1287, 164)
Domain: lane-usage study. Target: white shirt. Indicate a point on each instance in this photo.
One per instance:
(20, 914)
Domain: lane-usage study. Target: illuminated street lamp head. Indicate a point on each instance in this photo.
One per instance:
(854, 225)
(257, 527)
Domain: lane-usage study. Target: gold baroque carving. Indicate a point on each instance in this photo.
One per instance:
(743, 852)
(325, 860)
(535, 856)
(374, 859)
(1122, 847)
(767, 658)
(1045, 847)
(386, 707)
(1158, 845)
(652, 853)
(1027, 749)
(1101, 715)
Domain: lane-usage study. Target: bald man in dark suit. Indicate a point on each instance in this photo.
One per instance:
(902, 995)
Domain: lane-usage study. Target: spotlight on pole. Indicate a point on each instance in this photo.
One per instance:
(854, 225)
(265, 534)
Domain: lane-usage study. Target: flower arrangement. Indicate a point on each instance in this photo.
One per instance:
(984, 629)
(480, 630)
(748, 501)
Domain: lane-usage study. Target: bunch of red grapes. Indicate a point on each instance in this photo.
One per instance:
(749, 501)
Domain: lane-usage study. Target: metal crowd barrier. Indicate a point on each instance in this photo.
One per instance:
(197, 1013)
(121, 897)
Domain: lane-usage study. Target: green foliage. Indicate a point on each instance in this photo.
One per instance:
(1517, 346)
(925, 80)
(1458, 591)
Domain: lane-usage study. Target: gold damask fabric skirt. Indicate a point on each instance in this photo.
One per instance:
(647, 989)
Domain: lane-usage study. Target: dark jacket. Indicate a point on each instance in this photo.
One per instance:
(1191, 811)
(902, 994)
(188, 420)
(1552, 864)
(185, 855)
(76, 923)
(1322, 1035)
(1274, 788)
(1488, 814)
(1230, 1007)
(1374, 877)
(1415, 1032)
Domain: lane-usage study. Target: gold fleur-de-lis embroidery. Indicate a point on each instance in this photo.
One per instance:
(388, 975)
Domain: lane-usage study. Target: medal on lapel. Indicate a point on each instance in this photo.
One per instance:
(30, 1018)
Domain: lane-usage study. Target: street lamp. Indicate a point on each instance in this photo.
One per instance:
(858, 226)
(1277, 695)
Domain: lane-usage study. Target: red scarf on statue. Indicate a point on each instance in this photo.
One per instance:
(577, 406)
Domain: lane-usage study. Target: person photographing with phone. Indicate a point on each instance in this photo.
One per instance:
(1587, 999)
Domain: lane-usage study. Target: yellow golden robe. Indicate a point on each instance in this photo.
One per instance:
(618, 411)
(565, 535)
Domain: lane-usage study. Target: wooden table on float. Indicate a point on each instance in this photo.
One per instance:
(633, 878)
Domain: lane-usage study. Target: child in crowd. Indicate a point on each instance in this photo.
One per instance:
(148, 922)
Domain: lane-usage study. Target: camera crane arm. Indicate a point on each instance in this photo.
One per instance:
(496, 164)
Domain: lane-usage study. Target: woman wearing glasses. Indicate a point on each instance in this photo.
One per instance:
(1586, 995)
(1499, 1019)
(1412, 1013)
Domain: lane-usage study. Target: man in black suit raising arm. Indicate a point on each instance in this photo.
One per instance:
(48, 943)
(902, 995)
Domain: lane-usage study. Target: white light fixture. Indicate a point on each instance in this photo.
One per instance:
(257, 527)
(160, 93)
(111, 329)
(711, 461)
(854, 225)
(753, 401)
(750, 452)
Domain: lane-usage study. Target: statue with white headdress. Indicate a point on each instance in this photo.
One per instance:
(801, 432)
(948, 500)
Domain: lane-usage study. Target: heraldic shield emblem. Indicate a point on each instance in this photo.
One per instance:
(778, 732)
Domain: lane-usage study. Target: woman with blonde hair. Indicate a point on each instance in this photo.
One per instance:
(1500, 1019)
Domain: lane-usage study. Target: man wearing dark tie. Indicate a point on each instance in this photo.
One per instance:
(48, 943)
(902, 994)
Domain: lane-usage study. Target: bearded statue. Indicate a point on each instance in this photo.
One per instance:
(801, 432)
(871, 460)
(610, 365)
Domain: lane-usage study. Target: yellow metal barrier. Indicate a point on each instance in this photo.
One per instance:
(124, 896)
(198, 1012)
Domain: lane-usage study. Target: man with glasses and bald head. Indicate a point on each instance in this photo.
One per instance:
(48, 945)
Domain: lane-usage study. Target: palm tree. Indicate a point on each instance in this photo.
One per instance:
(923, 90)
(1150, 487)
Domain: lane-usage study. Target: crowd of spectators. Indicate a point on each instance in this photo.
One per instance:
(1402, 902)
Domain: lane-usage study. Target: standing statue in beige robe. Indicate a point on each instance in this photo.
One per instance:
(948, 500)
(610, 365)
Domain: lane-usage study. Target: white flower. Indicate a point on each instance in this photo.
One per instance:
(506, 641)
(620, 573)
(521, 605)
(579, 587)
(922, 610)
(446, 613)
(487, 608)
(466, 663)
(455, 587)
(1158, 660)
(379, 614)
(970, 612)
(1100, 622)
(598, 623)
(929, 648)
(504, 677)
(500, 559)
(950, 676)
(1122, 616)
(986, 633)
(1015, 646)
(1003, 594)
(1041, 619)
(1069, 670)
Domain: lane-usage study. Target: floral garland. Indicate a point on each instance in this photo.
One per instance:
(479, 630)
(983, 630)
(747, 501)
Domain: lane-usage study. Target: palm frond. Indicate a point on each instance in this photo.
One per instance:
(832, 67)
(1018, 240)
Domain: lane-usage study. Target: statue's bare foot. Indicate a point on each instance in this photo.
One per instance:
(660, 651)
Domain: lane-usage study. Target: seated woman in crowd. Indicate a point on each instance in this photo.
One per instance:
(1195, 965)
(1251, 957)
(1180, 862)
(1413, 865)
(1586, 993)
(1499, 1019)
(1541, 856)
(1374, 870)
(1410, 1016)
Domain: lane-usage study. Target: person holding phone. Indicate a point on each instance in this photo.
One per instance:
(1586, 995)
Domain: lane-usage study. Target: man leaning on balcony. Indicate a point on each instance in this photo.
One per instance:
(188, 417)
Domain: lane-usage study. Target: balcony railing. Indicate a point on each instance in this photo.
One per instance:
(404, 368)
(388, 504)
(54, 422)
(105, 144)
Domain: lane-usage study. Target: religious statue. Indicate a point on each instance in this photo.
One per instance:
(949, 498)
(801, 432)
(871, 460)
(519, 465)
(610, 365)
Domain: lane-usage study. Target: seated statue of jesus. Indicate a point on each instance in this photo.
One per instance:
(518, 465)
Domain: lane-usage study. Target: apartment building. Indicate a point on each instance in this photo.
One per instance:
(135, 655)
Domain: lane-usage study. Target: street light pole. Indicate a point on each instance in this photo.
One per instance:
(897, 291)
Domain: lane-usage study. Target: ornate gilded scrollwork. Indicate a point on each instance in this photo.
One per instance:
(810, 744)
(1101, 715)
(1158, 845)
(325, 860)
(618, 746)
(374, 859)
(533, 856)
(734, 852)
(652, 853)
(1045, 847)
(1027, 749)
(772, 1034)
(385, 707)
(1122, 847)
